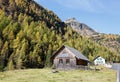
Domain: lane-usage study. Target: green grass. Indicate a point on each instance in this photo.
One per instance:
(46, 75)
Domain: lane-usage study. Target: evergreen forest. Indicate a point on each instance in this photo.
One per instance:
(30, 34)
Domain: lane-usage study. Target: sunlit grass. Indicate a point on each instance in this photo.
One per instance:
(46, 75)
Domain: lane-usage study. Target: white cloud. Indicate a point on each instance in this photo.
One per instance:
(86, 5)
(95, 6)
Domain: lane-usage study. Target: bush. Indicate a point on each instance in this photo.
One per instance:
(1, 68)
(53, 67)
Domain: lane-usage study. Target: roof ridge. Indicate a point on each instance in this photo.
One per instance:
(77, 53)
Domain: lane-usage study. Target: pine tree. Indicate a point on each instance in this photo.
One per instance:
(10, 65)
(4, 54)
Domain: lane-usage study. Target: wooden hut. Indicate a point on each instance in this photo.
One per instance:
(69, 58)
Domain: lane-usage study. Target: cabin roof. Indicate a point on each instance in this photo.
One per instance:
(98, 57)
(77, 54)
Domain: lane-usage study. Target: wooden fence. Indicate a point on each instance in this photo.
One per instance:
(82, 67)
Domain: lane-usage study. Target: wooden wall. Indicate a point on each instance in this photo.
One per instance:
(73, 60)
(71, 57)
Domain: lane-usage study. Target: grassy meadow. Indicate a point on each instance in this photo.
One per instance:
(46, 75)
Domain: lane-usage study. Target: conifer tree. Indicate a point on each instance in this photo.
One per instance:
(10, 65)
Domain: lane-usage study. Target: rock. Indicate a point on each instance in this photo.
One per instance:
(55, 71)
(80, 28)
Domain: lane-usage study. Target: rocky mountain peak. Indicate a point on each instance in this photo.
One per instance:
(70, 20)
(80, 28)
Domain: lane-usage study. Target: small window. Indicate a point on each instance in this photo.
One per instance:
(101, 62)
(67, 61)
(60, 61)
(98, 62)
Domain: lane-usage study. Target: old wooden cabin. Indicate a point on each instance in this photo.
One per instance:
(69, 58)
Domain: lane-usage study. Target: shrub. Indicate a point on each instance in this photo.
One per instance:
(1, 68)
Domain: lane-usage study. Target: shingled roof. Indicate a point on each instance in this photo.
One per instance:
(77, 54)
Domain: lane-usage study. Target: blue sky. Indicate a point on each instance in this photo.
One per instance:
(101, 15)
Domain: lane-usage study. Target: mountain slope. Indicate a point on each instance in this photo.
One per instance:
(30, 34)
(108, 40)
(80, 28)
(31, 9)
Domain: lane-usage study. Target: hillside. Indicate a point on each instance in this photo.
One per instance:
(110, 41)
(16, 8)
(30, 34)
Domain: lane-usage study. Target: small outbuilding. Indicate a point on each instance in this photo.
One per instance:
(69, 58)
(99, 60)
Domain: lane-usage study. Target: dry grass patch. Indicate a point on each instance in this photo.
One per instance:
(46, 75)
